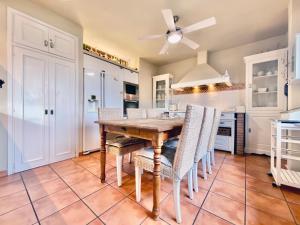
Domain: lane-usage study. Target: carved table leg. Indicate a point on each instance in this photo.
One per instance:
(157, 144)
(102, 152)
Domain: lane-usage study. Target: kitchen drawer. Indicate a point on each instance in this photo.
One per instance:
(227, 116)
(226, 123)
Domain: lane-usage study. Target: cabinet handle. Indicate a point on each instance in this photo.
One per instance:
(46, 111)
(249, 130)
(46, 43)
(51, 44)
(51, 111)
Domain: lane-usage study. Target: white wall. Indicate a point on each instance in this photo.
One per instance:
(294, 28)
(44, 15)
(147, 71)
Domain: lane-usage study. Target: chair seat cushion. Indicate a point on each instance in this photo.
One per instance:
(167, 155)
(171, 143)
(121, 142)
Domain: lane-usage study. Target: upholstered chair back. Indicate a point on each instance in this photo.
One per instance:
(215, 128)
(204, 137)
(186, 148)
(155, 113)
(133, 113)
(110, 114)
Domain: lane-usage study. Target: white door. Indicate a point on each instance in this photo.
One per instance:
(62, 109)
(258, 139)
(30, 74)
(30, 33)
(61, 44)
(130, 77)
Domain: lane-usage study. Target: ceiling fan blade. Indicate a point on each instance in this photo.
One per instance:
(164, 49)
(169, 19)
(189, 43)
(200, 25)
(149, 37)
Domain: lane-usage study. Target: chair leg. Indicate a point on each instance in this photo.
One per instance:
(138, 176)
(190, 183)
(130, 157)
(119, 160)
(212, 152)
(176, 195)
(195, 177)
(208, 162)
(203, 160)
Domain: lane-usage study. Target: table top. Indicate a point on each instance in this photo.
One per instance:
(159, 125)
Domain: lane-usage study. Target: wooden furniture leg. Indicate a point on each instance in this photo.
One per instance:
(102, 152)
(157, 144)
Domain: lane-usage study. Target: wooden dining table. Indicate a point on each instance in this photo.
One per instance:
(155, 131)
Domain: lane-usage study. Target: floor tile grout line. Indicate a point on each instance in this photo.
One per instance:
(208, 191)
(289, 207)
(80, 199)
(269, 196)
(31, 203)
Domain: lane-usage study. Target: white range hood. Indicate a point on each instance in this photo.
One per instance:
(202, 74)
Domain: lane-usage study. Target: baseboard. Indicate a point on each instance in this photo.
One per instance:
(257, 151)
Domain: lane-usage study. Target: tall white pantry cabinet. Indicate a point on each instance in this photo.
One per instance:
(42, 93)
(266, 75)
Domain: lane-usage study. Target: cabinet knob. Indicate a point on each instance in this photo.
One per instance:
(51, 44)
(46, 43)
(249, 130)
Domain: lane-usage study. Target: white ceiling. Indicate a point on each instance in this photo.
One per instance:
(124, 21)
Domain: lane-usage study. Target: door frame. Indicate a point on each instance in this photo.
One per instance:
(10, 106)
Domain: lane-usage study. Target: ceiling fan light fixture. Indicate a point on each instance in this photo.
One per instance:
(174, 37)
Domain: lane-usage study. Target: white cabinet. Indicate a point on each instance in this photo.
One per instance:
(62, 109)
(258, 132)
(130, 77)
(32, 33)
(61, 44)
(44, 109)
(162, 91)
(43, 97)
(266, 75)
(31, 133)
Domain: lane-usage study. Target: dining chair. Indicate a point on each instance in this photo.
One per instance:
(202, 146)
(155, 113)
(212, 140)
(175, 162)
(136, 113)
(119, 145)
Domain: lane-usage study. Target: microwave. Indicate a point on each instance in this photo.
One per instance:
(131, 91)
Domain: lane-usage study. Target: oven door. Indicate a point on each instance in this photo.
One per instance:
(130, 104)
(225, 136)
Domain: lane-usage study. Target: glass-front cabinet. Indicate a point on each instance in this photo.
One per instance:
(162, 92)
(266, 75)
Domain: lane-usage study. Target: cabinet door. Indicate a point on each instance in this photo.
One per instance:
(62, 109)
(258, 133)
(113, 87)
(61, 44)
(30, 33)
(130, 77)
(30, 72)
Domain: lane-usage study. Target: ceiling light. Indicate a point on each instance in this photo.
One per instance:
(174, 37)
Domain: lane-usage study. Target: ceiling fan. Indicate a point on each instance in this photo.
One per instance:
(175, 34)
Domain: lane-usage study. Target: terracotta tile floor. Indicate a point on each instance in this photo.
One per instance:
(70, 192)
